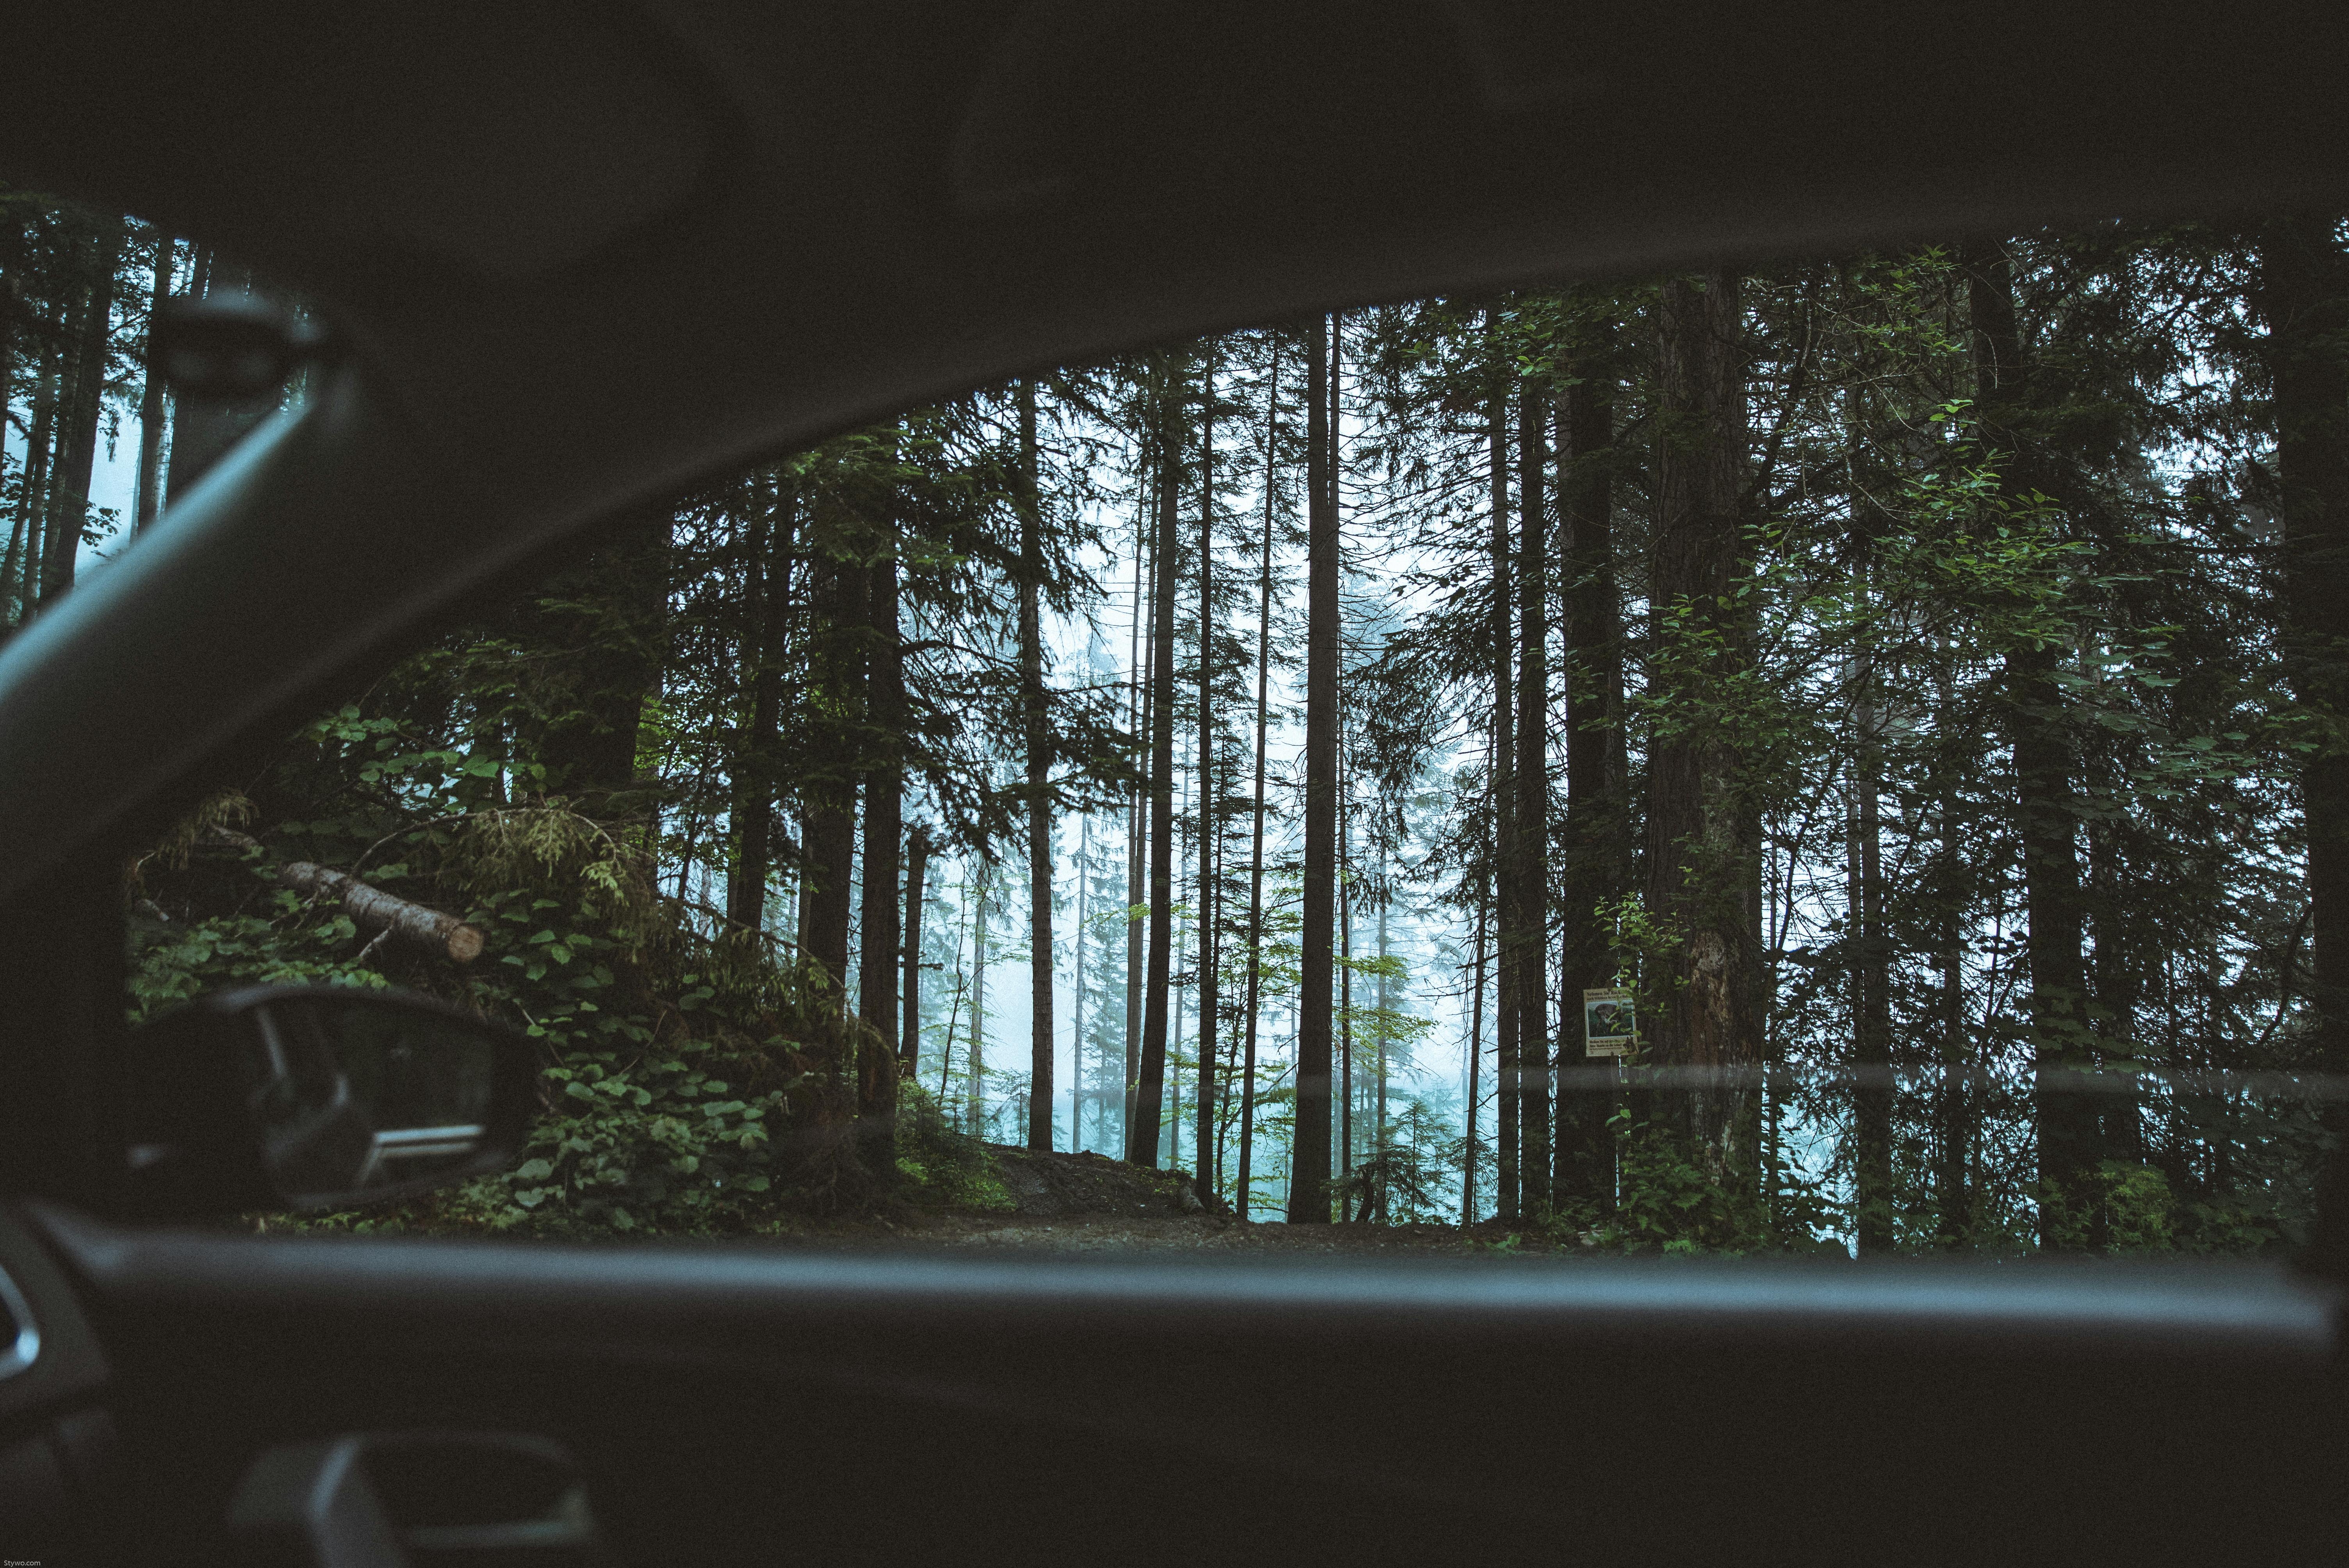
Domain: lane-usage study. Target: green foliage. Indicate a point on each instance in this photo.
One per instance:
(1671, 1198)
(943, 1165)
(650, 1142)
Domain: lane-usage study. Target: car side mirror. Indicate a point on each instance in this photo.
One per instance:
(227, 347)
(328, 1097)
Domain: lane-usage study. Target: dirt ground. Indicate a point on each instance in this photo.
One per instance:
(1090, 1202)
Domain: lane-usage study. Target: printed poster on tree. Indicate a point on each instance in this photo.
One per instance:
(1606, 1028)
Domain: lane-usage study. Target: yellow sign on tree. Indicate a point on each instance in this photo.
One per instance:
(1606, 1027)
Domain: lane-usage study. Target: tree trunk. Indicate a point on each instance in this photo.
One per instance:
(1597, 871)
(974, 1087)
(1700, 858)
(370, 908)
(2036, 703)
(89, 326)
(2303, 297)
(1077, 1011)
(1039, 798)
(32, 503)
(1508, 1075)
(1204, 1099)
(917, 866)
(1345, 977)
(152, 405)
(840, 608)
(1476, 1061)
(603, 622)
(1144, 545)
(877, 948)
(1378, 1125)
(1872, 1003)
(1308, 1181)
(1256, 831)
(1529, 865)
(754, 795)
(1150, 1089)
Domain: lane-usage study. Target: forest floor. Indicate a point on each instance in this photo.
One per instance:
(1090, 1202)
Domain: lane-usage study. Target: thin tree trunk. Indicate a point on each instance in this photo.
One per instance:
(1953, 1181)
(152, 405)
(1379, 1126)
(1204, 1099)
(954, 1008)
(1144, 539)
(755, 792)
(917, 866)
(974, 1095)
(1150, 1089)
(1308, 1180)
(1476, 1061)
(1256, 832)
(1076, 1020)
(32, 505)
(1180, 998)
(1699, 859)
(1345, 977)
(1039, 799)
(1529, 865)
(90, 335)
(1872, 1041)
(1508, 1076)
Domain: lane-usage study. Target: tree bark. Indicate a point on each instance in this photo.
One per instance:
(370, 908)
(1345, 978)
(1137, 820)
(89, 335)
(2302, 298)
(1872, 1010)
(1700, 860)
(375, 910)
(840, 610)
(1597, 869)
(1476, 1061)
(1508, 1075)
(1150, 1089)
(1529, 866)
(917, 865)
(1037, 746)
(152, 405)
(767, 594)
(877, 945)
(1309, 1182)
(2048, 823)
(32, 505)
(975, 1095)
(1256, 831)
(604, 623)
(1204, 1097)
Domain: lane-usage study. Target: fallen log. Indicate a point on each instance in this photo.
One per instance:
(373, 909)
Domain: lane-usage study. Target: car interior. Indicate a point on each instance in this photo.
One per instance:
(570, 259)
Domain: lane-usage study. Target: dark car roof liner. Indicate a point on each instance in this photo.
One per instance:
(585, 254)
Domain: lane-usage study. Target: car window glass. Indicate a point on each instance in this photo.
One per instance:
(1819, 756)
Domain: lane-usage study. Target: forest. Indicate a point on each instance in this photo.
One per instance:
(1834, 754)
